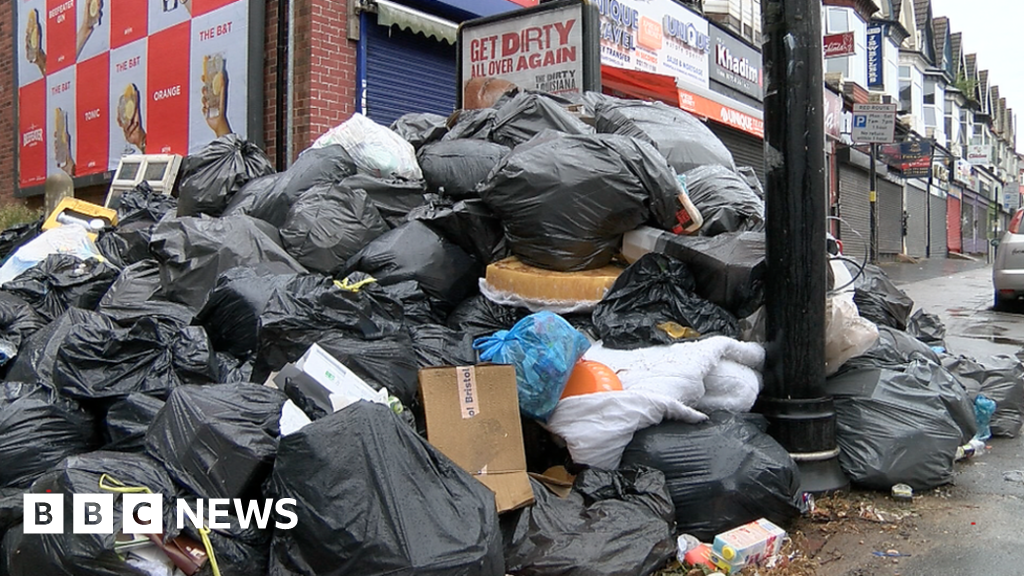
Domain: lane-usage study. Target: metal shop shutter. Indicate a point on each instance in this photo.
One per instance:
(953, 224)
(855, 211)
(917, 228)
(406, 72)
(890, 218)
(938, 230)
(746, 150)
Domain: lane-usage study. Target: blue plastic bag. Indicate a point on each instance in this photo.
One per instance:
(984, 408)
(544, 348)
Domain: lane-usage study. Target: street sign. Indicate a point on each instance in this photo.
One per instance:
(837, 45)
(874, 123)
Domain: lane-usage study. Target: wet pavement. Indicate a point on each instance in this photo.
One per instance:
(973, 526)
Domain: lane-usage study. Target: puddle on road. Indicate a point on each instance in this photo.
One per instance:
(985, 330)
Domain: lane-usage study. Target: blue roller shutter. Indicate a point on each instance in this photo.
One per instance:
(406, 72)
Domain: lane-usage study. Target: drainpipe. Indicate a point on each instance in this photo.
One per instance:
(290, 137)
(801, 416)
(281, 96)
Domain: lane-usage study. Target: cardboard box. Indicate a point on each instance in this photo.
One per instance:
(472, 417)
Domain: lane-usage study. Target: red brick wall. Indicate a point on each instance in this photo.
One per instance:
(325, 71)
(8, 171)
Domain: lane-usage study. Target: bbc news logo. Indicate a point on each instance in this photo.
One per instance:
(144, 513)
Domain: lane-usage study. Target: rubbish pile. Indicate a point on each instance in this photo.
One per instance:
(506, 342)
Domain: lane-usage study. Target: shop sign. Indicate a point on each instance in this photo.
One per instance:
(837, 45)
(710, 109)
(876, 63)
(735, 64)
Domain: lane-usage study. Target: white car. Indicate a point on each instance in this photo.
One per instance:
(1008, 269)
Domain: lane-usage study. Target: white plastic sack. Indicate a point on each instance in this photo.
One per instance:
(71, 240)
(847, 335)
(376, 150)
(661, 382)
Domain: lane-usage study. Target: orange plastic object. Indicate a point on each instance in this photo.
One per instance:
(589, 377)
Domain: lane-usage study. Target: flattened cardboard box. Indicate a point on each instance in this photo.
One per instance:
(473, 418)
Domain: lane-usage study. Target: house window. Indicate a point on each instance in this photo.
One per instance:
(838, 20)
(906, 99)
(929, 91)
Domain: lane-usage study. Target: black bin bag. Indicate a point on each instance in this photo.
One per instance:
(478, 316)
(724, 200)
(392, 197)
(127, 421)
(1000, 378)
(212, 176)
(455, 167)
(721, 473)
(18, 321)
(328, 224)
(878, 299)
(88, 554)
(522, 116)
(193, 252)
(256, 190)
(420, 128)
(314, 166)
(437, 345)
(684, 140)
(612, 523)
(231, 315)
(62, 281)
(415, 252)
(142, 206)
(651, 301)
(38, 429)
(17, 236)
(422, 514)
(218, 441)
(133, 297)
(566, 201)
(362, 328)
(468, 223)
(98, 363)
(38, 354)
(898, 425)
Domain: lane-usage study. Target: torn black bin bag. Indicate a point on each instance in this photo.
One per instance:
(684, 141)
(651, 301)
(724, 200)
(362, 329)
(18, 321)
(430, 518)
(212, 176)
(38, 429)
(468, 223)
(218, 441)
(1000, 378)
(420, 128)
(878, 299)
(455, 167)
(612, 523)
(194, 252)
(36, 358)
(328, 224)
(721, 473)
(895, 425)
(88, 554)
(526, 114)
(566, 201)
(437, 345)
(477, 316)
(63, 281)
(17, 236)
(729, 268)
(314, 166)
(231, 315)
(143, 206)
(927, 328)
(415, 252)
(97, 363)
(127, 421)
(392, 197)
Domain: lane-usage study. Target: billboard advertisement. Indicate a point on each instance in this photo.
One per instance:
(98, 79)
(656, 36)
(547, 48)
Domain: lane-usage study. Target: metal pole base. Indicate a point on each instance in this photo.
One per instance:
(807, 430)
